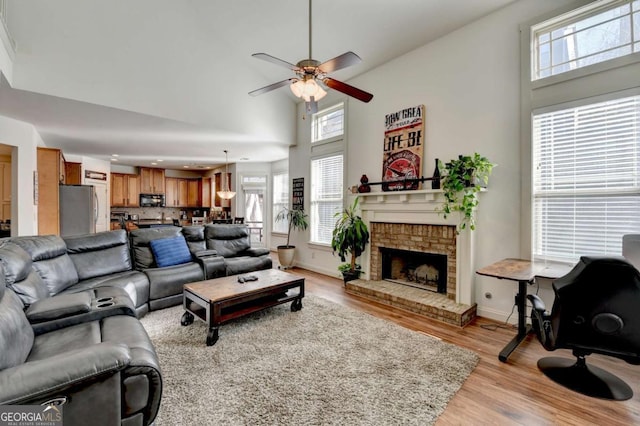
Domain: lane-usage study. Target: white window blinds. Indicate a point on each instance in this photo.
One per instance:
(326, 196)
(280, 200)
(586, 183)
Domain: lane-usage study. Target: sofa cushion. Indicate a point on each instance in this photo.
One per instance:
(31, 289)
(140, 239)
(50, 259)
(99, 254)
(20, 275)
(16, 334)
(170, 251)
(227, 240)
(244, 264)
(134, 283)
(194, 234)
(16, 261)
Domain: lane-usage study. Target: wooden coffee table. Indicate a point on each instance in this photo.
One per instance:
(220, 300)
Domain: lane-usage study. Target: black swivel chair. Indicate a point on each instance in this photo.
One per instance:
(596, 310)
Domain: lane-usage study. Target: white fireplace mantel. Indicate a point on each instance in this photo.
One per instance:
(421, 207)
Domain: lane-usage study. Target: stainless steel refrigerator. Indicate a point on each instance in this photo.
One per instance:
(78, 210)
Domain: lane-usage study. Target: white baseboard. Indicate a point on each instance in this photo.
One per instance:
(324, 271)
(496, 315)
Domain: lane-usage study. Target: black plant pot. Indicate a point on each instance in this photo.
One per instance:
(350, 275)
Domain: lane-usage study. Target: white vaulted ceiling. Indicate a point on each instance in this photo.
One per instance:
(168, 79)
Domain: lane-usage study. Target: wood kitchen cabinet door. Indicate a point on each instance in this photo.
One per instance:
(73, 173)
(125, 191)
(183, 192)
(118, 195)
(133, 190)
(171, 192)
(193, 193)
(49, 163)
(206, 192)
(151, 180)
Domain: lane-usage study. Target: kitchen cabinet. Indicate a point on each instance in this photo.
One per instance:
(151, 181)
(73, 173)
(171, 192)
(193, 193)
(206, 192)
(182, 192)
(51, 173)
(125, 190)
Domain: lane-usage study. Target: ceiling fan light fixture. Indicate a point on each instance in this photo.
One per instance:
(306, 89)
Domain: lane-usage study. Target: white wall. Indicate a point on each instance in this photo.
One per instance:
(6, 54)
(24, 138)
(469, 82)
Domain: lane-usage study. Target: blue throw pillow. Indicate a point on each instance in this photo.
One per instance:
(170, 251)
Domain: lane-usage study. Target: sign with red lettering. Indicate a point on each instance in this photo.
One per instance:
(403, 149)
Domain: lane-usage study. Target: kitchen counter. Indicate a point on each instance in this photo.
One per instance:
(152, 223)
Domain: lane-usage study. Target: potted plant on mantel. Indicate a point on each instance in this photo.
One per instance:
(350, 237)
(462, 179)
(297, 220)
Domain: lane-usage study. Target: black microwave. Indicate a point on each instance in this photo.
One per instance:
(152, 200)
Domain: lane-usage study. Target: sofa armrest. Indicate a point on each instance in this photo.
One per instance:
(255, 252)
(62, 305)
(32, 380)
(205, 253)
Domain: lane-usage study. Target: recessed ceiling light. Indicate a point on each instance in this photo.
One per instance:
(114, 159)
(154, 164)
(114, 155)
(186, 167)
(159, 161)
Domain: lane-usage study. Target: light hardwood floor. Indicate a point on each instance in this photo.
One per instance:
(496, 393)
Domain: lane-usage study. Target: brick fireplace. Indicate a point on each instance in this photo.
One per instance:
(414, 238)
(408, 224)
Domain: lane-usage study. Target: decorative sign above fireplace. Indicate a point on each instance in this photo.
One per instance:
(403, 149)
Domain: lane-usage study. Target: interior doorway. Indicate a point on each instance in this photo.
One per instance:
(5, 190)
(254, 189)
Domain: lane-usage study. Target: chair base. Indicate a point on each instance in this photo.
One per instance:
(585, 379)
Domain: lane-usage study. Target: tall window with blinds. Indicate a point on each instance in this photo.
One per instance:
(586, 178)
(280, 200)
(326, 196)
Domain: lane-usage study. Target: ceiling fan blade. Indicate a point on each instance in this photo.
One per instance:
(274, 60)
(360, 95)
(339, 62)
(273, 86)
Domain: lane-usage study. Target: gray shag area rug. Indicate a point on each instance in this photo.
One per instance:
(324, 365)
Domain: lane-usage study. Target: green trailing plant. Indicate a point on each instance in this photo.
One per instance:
(462, 179)
(296, 219)
(350, 237)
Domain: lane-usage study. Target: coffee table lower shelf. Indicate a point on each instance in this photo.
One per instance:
(215, 312)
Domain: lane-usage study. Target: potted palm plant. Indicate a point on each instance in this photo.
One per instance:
(297, 220)
(350, 237)
(461, 181)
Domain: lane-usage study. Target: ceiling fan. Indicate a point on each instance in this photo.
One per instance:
(310, 73)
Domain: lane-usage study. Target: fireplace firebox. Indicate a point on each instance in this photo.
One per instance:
(416, 269)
